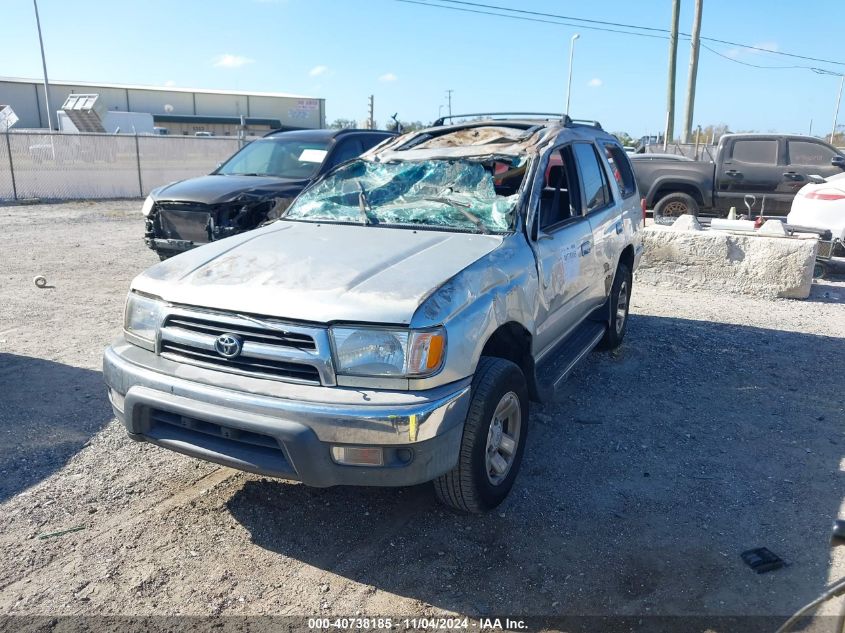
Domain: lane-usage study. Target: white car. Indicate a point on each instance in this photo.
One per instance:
(821, 206)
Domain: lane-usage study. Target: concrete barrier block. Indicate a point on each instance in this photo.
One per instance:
(753, 264)
(686, 222)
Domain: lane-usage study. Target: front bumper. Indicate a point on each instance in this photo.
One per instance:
(419, 432)
(163, 245)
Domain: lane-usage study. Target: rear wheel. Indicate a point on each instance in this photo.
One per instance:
(493, 441)
(670, 207)
(819, 270)
(620, 304)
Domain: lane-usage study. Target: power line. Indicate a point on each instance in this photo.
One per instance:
(583, 21)
(768, 50)
(739, 61)
(553, 15)
(527, 19)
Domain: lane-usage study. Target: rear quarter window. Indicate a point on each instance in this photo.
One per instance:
(620, 167)
(807, 153)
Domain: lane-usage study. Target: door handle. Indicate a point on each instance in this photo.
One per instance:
(733, 173)
(586, 247)
(791, 175)
(618, 228)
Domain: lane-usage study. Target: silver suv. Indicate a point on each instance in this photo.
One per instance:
(393, 325)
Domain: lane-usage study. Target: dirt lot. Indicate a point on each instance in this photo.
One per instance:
(716, 428)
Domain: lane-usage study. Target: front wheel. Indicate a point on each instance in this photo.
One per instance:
(494, 438)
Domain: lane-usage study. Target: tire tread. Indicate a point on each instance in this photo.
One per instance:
(456, 487)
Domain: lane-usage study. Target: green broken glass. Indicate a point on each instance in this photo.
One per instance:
(438, 193)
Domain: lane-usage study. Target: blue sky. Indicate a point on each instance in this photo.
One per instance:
(408, 55)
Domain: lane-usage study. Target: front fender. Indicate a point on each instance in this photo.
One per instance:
(499, 288)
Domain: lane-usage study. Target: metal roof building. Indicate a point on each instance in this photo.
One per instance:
(180, 110)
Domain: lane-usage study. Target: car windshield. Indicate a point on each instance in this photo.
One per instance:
(456, 194)
(277, 157)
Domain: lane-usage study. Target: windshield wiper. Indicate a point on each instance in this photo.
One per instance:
(463, 207)
(364, 204)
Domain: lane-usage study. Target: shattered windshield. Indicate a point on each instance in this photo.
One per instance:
(277, 157)
(477, 196)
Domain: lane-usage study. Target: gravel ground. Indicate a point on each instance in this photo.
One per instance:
(716, 428)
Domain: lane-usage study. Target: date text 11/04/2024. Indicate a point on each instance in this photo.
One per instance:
(433, 624)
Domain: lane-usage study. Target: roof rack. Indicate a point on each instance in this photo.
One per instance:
(554, 115)
(589, 122)
(564, 118)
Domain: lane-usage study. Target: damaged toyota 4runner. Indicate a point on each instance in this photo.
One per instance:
(393, 325)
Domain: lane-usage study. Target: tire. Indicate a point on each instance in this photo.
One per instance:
(620, 303)
(670, 207)
(820, 270)
(474, 485)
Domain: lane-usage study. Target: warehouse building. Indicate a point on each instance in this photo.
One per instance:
(180, 111)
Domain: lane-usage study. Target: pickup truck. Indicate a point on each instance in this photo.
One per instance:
(391, 327)
(771, 167)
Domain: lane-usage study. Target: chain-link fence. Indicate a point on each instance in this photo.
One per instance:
(68, 166)
(689, 150)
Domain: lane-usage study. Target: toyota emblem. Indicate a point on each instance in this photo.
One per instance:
(228, 345)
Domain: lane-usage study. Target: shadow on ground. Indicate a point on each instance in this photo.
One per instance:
(692, 443)
(824, 292)
(47, 413)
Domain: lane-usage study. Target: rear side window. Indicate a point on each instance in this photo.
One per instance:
(804, 153)
(349, 148)
(370, 141)
(761, 152)
(620, 167)
(593, 181)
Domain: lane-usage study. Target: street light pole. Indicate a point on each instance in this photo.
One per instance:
(569, 81)
(44, 66)
(836, 111)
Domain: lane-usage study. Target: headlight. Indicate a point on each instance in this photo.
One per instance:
(147, 207)
(385, 352)
(141, 319)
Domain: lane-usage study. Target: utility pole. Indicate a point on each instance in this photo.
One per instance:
(836, 111)
(371, 124)
(449, 100)
(44, 66)
(673, 60)
(569, 80)
(693, 69)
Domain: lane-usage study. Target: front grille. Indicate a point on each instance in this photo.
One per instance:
(243, 364)
(270, 349)
(258, 334)
(184, 222)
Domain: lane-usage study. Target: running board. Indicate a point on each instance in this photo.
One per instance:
(555, 368)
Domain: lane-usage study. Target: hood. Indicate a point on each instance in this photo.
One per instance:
(219, 189)
(317, 272)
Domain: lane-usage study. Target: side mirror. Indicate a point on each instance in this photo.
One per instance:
(838, 161)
